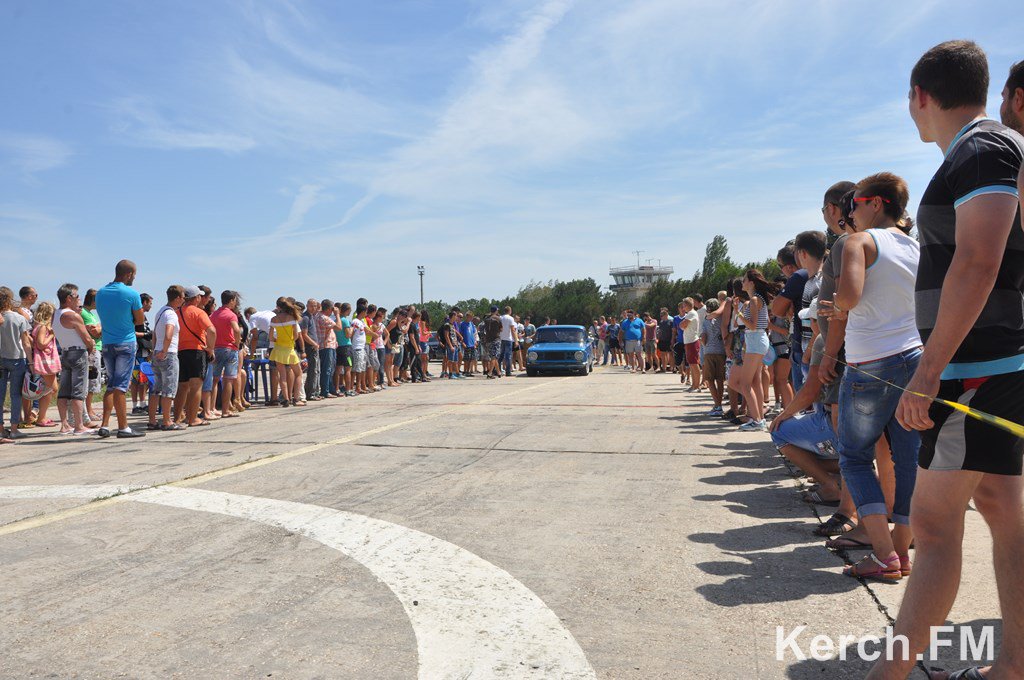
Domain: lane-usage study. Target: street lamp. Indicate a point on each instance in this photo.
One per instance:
(421, 270)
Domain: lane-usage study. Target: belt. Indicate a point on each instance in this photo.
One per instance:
(889, 356)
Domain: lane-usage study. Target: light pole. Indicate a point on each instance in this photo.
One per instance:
(421, 270)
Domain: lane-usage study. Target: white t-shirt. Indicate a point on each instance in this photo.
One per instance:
(692, 330)
(507, 324)
(261, 320)
(165, 317)
(358, 334)
(702, 314)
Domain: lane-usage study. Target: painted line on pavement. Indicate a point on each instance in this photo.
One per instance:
(471, 618)
(126, 492)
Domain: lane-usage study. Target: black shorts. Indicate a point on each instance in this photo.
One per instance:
(191, 364)
(959, 442)
(781, 350)
(679, 353)
(613, 343)
(343, 358)
(664, 345)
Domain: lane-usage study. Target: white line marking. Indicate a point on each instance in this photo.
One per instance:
(472, 619)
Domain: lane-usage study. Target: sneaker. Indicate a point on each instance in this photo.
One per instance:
(716, 411)
(129, 433)
(103, 433)
(16, 434)
(753, 426)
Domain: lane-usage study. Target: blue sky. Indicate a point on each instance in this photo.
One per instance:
(327, 149)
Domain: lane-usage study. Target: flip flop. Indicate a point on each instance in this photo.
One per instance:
(199, 424)
(846, 543)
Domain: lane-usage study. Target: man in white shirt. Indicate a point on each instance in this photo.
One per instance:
(509, 336)
(165, 360)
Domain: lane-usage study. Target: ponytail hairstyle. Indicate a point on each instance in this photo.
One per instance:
(762, 286)
(736, 286)
(895, 195)
(288, 308)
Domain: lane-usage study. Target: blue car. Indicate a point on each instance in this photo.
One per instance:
(560, 348)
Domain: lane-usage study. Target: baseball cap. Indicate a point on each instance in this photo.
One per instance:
(494, 308)
(192, 292)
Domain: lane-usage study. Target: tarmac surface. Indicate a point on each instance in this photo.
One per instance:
(551, 527)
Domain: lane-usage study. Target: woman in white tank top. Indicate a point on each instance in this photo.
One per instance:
(883, 348)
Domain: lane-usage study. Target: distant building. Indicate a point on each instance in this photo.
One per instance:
(635, 280)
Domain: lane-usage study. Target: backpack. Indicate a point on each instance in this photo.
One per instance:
(493, 328)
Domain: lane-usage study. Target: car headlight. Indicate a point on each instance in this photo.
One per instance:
(531, 356)
(579, 356)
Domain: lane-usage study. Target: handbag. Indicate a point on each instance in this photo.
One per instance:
(33, 386)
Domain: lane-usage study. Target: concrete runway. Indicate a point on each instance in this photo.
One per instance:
(545, 527)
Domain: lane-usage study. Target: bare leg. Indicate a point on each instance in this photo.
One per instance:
(937, 516)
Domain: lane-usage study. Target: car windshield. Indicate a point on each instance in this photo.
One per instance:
(573, 335)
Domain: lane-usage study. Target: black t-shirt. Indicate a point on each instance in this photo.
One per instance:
(665, 330)
(444, 334)
(493, 327)
(984, 158)
(794, 292)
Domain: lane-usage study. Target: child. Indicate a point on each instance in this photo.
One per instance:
(45, 360)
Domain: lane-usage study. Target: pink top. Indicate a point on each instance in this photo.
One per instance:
(45, 361)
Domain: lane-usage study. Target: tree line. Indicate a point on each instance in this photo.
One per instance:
(581, 300)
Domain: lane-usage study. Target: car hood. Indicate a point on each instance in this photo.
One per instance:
(556, 347)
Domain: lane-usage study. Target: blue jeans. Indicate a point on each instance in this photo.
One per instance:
(811, 432)
(506, 355)
(328, 357)
(867, 408)
(119, 362)
(225, 360)
(12, 372)
(797, 370)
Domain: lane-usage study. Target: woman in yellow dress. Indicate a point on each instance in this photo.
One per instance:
(284, 332)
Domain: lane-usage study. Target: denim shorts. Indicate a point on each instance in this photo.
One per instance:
(208, 378)
(165, 376)
(756, 342)
(225, 360)
(119, 361)
(811, 432)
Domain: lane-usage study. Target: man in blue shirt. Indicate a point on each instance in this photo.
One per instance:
(468, 330)
(632, 333)
(120, 310)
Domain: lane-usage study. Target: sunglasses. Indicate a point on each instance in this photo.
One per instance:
(854, 200)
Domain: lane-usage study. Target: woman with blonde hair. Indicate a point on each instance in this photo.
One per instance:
(284, 333)
(45, 360)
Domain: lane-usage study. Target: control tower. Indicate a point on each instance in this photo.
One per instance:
(633, 281)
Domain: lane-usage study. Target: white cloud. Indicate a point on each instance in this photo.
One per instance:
(140, 123)
(27, 155)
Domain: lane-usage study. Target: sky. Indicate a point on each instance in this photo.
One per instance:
(322, 149)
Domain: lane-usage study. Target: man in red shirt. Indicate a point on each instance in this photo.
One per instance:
(196, 342)
(225, 355)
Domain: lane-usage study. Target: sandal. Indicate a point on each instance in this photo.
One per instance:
(973, 673)
(45, 423)
(173, 427)
(905, 565)
(153, 426)
(873, 569)
(814, 498)
(846, 543)
(835, 525)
